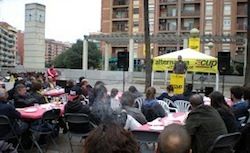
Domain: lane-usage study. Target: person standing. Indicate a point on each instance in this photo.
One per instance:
(52, 72)
(180, 66)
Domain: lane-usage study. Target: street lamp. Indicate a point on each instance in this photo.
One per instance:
(210, 45)
(194, 32)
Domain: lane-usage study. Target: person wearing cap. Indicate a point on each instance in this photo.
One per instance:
(76, 104)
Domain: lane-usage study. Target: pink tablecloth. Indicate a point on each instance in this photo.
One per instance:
(40, 110)
(54, 92)
(178, 118)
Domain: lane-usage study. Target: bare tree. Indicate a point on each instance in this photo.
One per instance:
(148, 63)
(247, 74)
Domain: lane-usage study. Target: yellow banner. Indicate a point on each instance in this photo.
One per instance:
(205, 66)
(194, 43)
(177, 81)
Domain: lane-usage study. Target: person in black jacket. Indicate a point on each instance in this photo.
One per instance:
(219, 103)
(36, 89)
(76, 105)
(22, 98)
(13, 115)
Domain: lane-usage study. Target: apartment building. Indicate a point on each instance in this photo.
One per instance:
(8, 46)
(178, 17)
(54, 48)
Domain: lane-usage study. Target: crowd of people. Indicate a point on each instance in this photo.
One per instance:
(116, 115)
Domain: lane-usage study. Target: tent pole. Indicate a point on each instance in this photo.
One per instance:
(166, 77)
(217, 82)
(152, 78)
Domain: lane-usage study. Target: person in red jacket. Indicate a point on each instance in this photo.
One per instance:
(52, 72)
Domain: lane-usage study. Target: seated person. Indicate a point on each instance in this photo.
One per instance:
(127, 101)
(86, 89)
(36, 93)
(69, 85)
(22, 98)
(218, 102)
(150, 107)
(204, 124)
(187, 93)
(50, 84)
(110, 138)
(246, 95)
(135, 92)
(77, 105)
(240, 107)
(114, 101)
(169, 94)
(174, 139)
(102, 112)
(13, 115)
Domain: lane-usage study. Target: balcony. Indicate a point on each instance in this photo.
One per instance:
(167, 27)
(120, 3)
(191, 1)
(168, 12)
(192, 14)
(242, 12)
(120, 27)
(120, 14)
(168, 1)
(242, 27)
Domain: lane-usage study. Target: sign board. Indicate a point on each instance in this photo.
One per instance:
(177, 81)
(194, 43)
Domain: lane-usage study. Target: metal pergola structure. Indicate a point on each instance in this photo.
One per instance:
(123, 39)
(162, 39)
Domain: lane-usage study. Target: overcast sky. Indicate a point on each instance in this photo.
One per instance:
(66, 20)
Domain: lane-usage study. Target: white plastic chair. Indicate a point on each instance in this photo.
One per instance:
(169, 102)
(139, 101)
(166, 107)
(182, 105)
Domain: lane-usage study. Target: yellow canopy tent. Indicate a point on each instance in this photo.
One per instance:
(196, 62)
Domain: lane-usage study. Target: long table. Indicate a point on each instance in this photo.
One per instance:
(159, 123)
(36, 112)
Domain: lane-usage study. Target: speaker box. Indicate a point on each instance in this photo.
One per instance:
(123, 60)
(224, 62)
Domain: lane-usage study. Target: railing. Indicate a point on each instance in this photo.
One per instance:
(242, 12)
(120, 2)
(191, 0)
(167, 1)
(190, 13)
(242, 26)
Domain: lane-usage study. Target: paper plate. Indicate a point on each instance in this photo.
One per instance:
(30, 110)
(157, 128)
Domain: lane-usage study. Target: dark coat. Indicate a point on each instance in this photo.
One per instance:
(23, 101)
(9, 111)
(152, 110)
(204, 125)
(39, 99)
(136, 114)
(229, 120)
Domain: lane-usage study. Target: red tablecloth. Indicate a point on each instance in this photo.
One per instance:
(40, 110)
(54, 92)
(178, 118)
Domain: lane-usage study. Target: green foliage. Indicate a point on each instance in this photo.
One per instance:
(72, 58)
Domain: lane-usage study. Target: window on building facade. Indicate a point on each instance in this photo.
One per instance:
(227, 8)
(227, 23)
(209, 9)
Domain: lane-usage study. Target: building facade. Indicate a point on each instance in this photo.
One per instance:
(211, 17)
(8, 48)
(54, 48)
(34, 36)
(20, 48)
